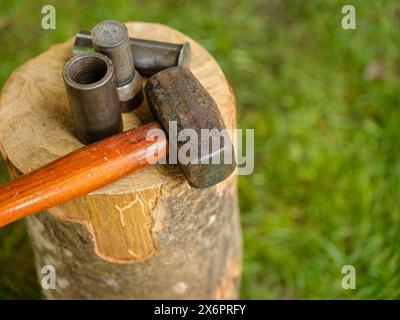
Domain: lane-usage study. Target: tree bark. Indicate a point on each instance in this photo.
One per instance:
(147, 236)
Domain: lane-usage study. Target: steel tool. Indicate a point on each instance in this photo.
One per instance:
(110, 38)
(176, 95)
(149, 56)
(92, 93)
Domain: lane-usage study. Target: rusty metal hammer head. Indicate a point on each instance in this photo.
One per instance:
(176, 97)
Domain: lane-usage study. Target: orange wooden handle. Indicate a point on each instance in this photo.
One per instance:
(82, 171)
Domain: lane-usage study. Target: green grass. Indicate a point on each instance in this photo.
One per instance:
(325, 188)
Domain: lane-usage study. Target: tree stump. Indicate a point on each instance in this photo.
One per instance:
(147, 236)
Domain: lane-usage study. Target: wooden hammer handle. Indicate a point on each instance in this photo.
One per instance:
(82, 171)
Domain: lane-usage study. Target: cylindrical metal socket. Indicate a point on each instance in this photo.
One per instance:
(92, 93)
(150, 57)
(154, 56)
(110, 37)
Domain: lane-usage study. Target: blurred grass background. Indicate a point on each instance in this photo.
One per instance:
(325, 106)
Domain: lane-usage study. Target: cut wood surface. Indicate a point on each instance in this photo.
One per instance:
(148, 235)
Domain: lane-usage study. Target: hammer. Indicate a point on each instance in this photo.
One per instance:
(173, 94)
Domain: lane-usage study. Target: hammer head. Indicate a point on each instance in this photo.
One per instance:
(176, 97)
